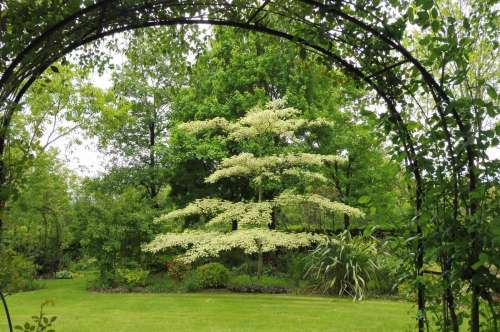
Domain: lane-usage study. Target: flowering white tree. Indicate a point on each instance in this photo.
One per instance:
(267, 133)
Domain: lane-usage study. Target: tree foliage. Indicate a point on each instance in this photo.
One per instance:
(269, 129)
(433, 63)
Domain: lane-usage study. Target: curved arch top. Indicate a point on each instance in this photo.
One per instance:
(363, 45)
(347, 33)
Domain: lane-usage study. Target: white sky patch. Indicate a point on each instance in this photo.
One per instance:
(493, 153)
(82, 157)
(79, 152)
(102, 81)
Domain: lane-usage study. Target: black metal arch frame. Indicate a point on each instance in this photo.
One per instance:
(349, 34)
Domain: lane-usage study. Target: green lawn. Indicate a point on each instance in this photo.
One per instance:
(79, 310)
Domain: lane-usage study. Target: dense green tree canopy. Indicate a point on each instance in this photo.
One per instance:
(420, 92)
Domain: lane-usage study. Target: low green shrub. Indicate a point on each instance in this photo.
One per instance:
(176, 270)
(64, 274)
(17, 273)
(161, 283)
(192, 282)
(131, 278)
(385, 284)
(212, 275)
(295, 266)
(266, 284)
(208, 276)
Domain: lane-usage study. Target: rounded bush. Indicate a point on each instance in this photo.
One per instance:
(132, 277)
(192, 282)
(212, 275)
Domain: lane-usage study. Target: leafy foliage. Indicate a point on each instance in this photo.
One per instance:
(265, 284)
(132, 277)
(112, 226)
(202, 244)
(212, 275)
(16, 272)
(133, 118)
(40, 323)
(39, 216)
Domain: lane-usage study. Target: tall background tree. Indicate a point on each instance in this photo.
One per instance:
(242, 69)
(155, 67)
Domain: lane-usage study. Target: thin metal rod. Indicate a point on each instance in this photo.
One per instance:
(7, 314)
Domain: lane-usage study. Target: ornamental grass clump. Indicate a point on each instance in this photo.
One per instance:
(343, 265)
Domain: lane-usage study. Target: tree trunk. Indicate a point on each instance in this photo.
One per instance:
(274, 219)
(6, 310)
(47, 266)
(444, 310)
(3, 190)
(153, 189)
(419, 257)
(450, 319)
(45, 231)
(59, 242)
(260, 259)
(450, 300)
(259, 198)
(419, 264)
(474, 310)
(347, 220)
(475, 252)
(2, 205)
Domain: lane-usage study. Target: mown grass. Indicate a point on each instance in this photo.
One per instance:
(79, 310)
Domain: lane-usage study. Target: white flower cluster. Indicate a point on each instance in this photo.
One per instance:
(306, 175)
(321, 202)
(273, 119)
(195, 127)
(247, 165)
(283, 122)
(246, 214)
(204, 206)
(251, 214)
(200, 244)
(222, 211)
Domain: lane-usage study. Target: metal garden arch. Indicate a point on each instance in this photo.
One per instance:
(358, 36)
